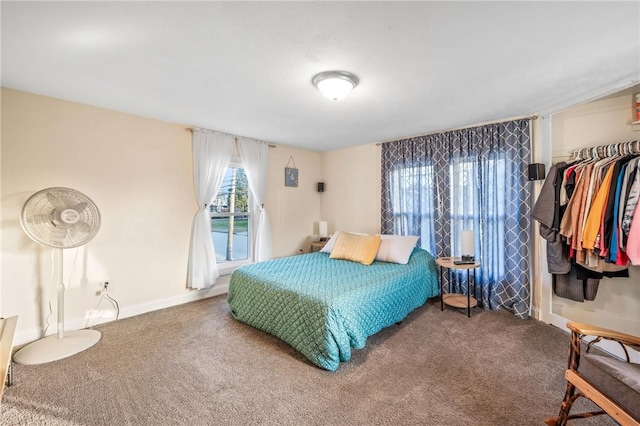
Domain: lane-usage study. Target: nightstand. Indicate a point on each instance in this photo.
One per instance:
(317, 246)
(453, 299)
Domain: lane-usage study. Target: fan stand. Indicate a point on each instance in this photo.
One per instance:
(62, 345)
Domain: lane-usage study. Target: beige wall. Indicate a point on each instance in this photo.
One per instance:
(139, 173)
(351, 201)
(617, 304)
(293, 212)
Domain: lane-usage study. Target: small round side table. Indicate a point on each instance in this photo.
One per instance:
(453, 299)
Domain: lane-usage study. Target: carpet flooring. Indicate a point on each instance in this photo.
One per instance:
(195, 365)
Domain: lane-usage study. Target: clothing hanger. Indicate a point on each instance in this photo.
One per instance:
(610, 151)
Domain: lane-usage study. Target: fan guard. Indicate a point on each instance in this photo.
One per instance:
(60, 217)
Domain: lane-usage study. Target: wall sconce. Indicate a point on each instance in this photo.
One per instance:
(535, 171)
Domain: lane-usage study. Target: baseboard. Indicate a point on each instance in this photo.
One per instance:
(535, 313)
(191, 296)
(27, 336)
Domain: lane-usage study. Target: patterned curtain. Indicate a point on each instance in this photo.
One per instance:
(435, 186)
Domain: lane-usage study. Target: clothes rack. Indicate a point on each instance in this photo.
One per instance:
(603, 151)
(589, 213)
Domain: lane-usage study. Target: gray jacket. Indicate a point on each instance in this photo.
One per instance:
(544, 211)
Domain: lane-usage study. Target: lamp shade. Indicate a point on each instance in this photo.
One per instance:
(322, 229)
(335, 84)
(468, 243)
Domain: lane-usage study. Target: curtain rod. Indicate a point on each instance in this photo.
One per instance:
(191, 129)
(530, 117)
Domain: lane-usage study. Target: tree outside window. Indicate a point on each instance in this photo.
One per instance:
(231, 218)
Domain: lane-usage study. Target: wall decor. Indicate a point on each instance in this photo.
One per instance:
(291, 174)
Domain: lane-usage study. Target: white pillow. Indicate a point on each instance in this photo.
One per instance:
(328, 248)
(396, 248)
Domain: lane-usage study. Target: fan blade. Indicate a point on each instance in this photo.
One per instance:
(54, 201)
(80, 207)
(82, 227)
(40, 219)
(77, 232)
(59, 234)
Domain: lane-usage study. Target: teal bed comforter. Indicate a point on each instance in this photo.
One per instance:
(324, 307)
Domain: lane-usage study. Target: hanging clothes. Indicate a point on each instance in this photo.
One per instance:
(589, 213)
(631, 202)
(633, 242)
(572, 286)
(547, 212)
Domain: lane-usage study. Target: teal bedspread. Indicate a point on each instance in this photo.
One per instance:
(324, 307)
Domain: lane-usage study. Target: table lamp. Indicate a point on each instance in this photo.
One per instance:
(468, 245)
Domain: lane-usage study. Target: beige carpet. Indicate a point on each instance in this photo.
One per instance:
(195, 365)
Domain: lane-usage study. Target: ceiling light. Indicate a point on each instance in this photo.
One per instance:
(335, 84)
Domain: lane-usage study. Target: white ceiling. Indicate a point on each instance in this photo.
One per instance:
(246, 67)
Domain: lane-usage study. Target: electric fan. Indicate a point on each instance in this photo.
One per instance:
(60, 218)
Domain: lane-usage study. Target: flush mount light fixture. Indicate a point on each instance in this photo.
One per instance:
(335, 84)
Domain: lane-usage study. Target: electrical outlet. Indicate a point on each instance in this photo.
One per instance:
(104, 285)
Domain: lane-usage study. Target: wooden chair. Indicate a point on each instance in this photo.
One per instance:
(7, 334)
(612, 384)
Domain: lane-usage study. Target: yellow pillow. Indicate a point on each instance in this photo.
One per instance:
(357, 248)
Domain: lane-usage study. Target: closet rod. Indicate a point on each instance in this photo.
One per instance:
(604, 151)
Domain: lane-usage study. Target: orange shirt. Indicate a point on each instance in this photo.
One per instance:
(592, 225)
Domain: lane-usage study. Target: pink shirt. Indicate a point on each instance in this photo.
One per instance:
(633, 242)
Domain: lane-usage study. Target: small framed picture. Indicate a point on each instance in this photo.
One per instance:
(290, 176)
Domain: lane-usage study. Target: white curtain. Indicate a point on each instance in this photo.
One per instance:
(255, 156)
(211, 156)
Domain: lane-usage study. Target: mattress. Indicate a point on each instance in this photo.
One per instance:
(323, 307)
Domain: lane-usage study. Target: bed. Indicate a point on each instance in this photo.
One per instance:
(323, 307)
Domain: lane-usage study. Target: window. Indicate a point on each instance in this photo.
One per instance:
(231, 220)
(412, 192)
(439, 184)
(414, 196)
(465, 178)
